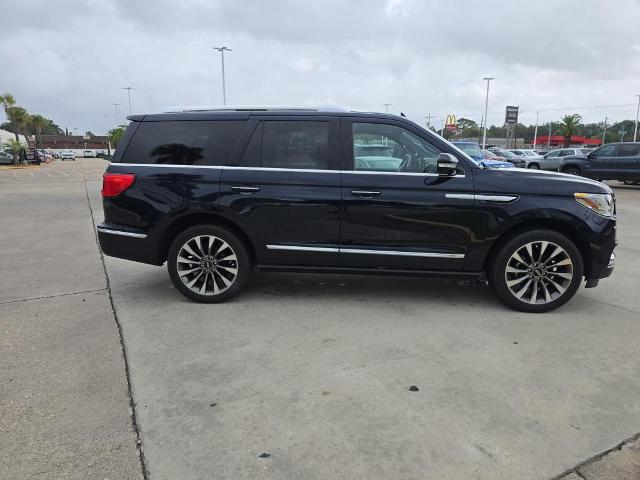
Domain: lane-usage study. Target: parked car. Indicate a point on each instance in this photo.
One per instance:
(89, 154)
(613, 161)
(217, 193)
(553, 159)
(531, 158)
(474, 151)
(6, 158)
(67, 155)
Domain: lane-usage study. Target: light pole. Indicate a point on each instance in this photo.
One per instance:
(535, 132)
(386, 107)
(486, 107)
(224, 87)
(604, 133)
(635, 132)
(128, 89)
(116, 105)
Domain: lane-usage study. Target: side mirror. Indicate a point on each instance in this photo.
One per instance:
(447, 165)
(591, 155)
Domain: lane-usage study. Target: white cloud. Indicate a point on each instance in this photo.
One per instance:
(69, 59)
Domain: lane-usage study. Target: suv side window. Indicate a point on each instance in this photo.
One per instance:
(564, 153)
(183, 142)
(604, 151)
(378, 147)
(629, 150)
(289, 144)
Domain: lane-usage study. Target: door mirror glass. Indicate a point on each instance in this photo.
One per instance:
(447, 165)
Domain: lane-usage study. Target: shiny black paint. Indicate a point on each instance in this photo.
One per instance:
(317, 208)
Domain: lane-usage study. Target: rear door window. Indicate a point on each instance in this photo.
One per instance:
(629, 150)
(183, 142)
(289, 144)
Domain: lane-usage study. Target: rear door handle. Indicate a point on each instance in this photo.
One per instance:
(365, 193)
(245, 189)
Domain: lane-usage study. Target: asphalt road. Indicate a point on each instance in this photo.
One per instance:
(315, 371)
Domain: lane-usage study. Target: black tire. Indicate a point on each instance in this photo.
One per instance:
(545, 279)
(572, 171)
(216, 275)
(533, 166)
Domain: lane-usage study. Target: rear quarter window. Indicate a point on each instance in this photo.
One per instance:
(185, 142)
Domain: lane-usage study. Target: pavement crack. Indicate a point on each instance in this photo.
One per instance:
(53, 296)
(132, 403)
(596, 457)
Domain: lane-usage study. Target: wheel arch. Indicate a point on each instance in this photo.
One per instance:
(565, 166)
(200, 218)
(559, 226)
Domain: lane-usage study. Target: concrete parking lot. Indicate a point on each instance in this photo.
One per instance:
(301, 376)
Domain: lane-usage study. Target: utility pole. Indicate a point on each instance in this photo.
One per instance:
(224, 87)
(128, 89)
(535, 132)
(386, 107)
(635, 132)
(604, 134)
(486, 106)
(117, 105)
(549, 138)
(428, 121)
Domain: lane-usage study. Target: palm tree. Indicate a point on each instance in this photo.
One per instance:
(568, 127)
(38, 122)
(8, 102)
(16, 147)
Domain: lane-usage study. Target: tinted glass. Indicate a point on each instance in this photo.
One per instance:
(403, 151)
(289, 144)
(605, 151)
(630, 150)
(183, 142)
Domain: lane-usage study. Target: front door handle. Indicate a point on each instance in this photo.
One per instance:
(245, 189)
(365, 193)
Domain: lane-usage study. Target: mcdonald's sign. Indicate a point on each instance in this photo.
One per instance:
(450, 123)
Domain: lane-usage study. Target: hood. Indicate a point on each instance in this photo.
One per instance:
(496, 163)
(523, 180)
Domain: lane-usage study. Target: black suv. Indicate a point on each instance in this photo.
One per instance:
(613, 161)
(215, 193)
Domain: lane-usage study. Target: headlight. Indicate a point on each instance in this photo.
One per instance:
(600, 203)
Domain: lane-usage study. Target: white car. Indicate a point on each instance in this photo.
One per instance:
(67, 155)
(89, 154)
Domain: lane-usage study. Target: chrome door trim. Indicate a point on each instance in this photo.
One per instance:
(483, 197)
(401, 253)
(300, 248)
(365, 251)
(123, 233)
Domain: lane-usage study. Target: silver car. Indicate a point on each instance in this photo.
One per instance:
(553, 159)
(530, 158)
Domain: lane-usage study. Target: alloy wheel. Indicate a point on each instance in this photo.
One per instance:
(207, 265)
(539, 272)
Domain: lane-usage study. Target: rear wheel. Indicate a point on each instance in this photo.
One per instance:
(572, 171)
(208, 264)
(536, 271)
(533, 166)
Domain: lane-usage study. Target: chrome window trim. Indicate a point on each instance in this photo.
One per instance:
(273, 169)
(121, 232)
(365, 251)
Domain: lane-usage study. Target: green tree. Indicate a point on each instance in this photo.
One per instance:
(8, 102)
(16, 147)
(115, 134)
(38, 122)
(569, 127)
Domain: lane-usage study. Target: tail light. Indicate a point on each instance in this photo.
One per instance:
(113, 184)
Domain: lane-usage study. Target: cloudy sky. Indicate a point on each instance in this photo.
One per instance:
(70, 59)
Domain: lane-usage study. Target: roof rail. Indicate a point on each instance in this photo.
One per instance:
(253, 108)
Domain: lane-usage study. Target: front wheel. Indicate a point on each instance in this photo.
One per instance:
(533, 166)
(572, 171)
(536, 271)
(208, 264)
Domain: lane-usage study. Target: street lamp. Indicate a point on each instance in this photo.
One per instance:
(224, 88)
(486, 107)
(386, 107)
(128, 89)
(116, 105)
(635, 132)
(535, 133)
